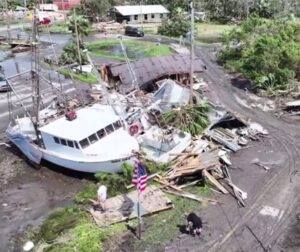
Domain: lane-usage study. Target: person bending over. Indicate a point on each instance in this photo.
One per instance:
(194, 223)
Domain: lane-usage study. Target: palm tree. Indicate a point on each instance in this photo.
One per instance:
(192, 118)
(79, 26)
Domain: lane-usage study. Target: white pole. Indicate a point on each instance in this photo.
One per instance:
(139, 229)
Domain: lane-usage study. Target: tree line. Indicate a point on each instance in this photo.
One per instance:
(216, 10)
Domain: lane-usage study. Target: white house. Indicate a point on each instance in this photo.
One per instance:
(133, 14)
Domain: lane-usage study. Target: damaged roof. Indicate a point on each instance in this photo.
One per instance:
(150, 69)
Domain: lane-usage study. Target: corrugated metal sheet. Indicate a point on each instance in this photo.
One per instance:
(129, 10)
(150, 69)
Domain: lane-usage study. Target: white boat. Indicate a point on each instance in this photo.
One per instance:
(97, 140)
(163, 145)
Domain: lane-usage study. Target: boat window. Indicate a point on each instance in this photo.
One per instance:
(63, 141)
(117, 125)
(84, 143)
(56, 140)
(101, 133)
(109, 129)
(76, 145)
(70, 144)
(93, 138)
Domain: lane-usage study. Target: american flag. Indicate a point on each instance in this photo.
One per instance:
(139, 177)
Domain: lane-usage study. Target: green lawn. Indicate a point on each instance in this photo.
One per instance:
(110, 48)
(87, 78)
(210, 32)
(162, 227)
(56, 27)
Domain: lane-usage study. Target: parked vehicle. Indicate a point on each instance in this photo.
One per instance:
(43, 21)
(133, 31)
(4, 87)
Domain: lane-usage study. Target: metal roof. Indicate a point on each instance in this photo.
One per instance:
(129, 10)
(150, 69)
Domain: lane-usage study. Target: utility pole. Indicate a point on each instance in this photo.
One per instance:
(141, 3)
(7, 20)
(192, 52)
(77, 39)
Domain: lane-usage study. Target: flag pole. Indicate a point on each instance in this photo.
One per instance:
(139, 228)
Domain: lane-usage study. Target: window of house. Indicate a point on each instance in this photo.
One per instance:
(100, 133)
(93, 138)
(152, 16)
(63, 142)
(109, 129)
(117, 125)
(135, 17)
(161, 15)
(146, 16)
(84, 143)
(56, 140)
(70, 144)
(76, 145)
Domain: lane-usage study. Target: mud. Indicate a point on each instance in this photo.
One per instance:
(28, 195)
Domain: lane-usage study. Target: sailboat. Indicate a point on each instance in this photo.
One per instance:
(90, 138)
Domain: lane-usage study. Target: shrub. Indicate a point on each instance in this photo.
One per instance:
(88, 192)
(175, 26)
(265, 51)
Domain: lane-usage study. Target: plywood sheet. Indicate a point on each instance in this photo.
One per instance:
(123, 207)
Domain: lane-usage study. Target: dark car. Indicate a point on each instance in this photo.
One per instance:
(4, 87)
(133, 31)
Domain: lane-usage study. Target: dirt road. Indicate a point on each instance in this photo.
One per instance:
(273, 196)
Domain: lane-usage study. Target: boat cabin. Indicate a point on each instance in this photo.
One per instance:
(94, 130)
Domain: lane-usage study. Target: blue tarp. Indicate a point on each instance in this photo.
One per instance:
(25, 145)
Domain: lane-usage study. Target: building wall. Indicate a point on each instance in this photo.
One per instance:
(65, 4)
(147, 18)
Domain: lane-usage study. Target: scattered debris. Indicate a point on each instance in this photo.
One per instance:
(28, 246)
(271, 211)
(260, 164)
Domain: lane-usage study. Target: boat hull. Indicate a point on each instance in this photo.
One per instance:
(111, 166)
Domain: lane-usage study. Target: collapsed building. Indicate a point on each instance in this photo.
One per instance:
(148, 71)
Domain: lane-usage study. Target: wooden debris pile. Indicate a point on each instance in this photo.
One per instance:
(206, 161)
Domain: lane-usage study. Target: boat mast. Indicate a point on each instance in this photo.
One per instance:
(35, 70)
(192, 52)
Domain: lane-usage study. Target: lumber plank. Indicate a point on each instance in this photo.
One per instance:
(215, 182)
(166, 184)
(191, 196)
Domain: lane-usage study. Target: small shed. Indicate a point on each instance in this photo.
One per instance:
(134, 14)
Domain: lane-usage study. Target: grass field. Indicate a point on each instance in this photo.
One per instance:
(87, 78)
(210, 32)
(110, 48)
(205, 32)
